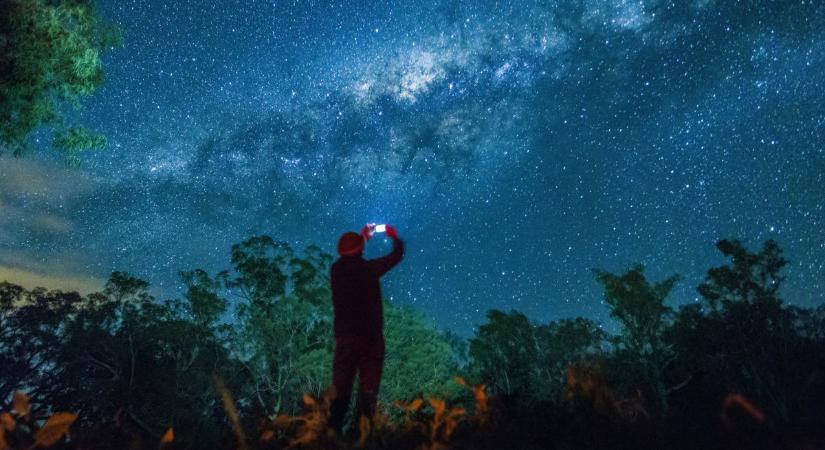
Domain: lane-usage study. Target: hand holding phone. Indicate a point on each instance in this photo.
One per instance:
(391, 232)
(371, 228)
(366, 232)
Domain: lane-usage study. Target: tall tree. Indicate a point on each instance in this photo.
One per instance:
(751, 341)
(31, 323)
(122, 353)
(640, 309)
(285, 322)
(504, 353)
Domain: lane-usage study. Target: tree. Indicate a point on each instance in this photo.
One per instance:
(642, 354)
(281, 325)
(520, 359)
(31, 322)
(751, 343)
(751, 278)
(49, 55)
(565, 343)
(203, 301)
(419, 361)
(121, 353)
(504, 353)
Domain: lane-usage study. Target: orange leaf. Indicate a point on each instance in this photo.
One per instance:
(308, 400)
(415, 404)
(54, 429)
(3, 444)
(480, 394)
(438, 405)
(168, 437)
(461, 381)
(749, 408)
(282, 421)
(7, 422)
(20, 404)
(267, 435)
(364, 430)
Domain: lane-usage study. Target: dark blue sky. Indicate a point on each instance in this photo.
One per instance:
(515, 146)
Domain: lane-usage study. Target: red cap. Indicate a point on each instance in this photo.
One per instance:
(350, 244)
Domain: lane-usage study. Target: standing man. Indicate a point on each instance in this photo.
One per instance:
(359, 321)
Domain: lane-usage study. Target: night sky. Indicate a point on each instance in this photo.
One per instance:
(514, 145)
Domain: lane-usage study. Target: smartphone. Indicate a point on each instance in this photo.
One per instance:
(381, 228)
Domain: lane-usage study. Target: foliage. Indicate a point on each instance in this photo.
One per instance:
(638, 306)
(425, 424)
(418, 362)
(201, 295)
(751, 278)
(504, 352)
(527, 361)
(229, 363)
(72, 141)
(49, 55)
(748, 341)
(29, 334)
(20, 430)
(642, 355)
(283, 337)
(118, 353)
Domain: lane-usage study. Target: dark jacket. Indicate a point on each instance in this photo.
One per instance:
(356, 292)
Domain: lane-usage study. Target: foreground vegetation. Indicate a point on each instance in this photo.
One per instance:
(243, 361)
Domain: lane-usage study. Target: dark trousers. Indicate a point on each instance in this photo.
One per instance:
(366, 356)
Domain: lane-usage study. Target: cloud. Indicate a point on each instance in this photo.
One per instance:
(36, 197)
(64, 282)
(50, 223)
(39, 230)
(41, 181)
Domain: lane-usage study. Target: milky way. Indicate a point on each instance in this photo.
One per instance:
(515, 145)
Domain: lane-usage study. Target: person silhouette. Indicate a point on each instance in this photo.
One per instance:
(358, 322)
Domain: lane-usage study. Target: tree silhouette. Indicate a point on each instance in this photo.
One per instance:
(750, 339)
(751, 278)
(527, 361)
(640, 309)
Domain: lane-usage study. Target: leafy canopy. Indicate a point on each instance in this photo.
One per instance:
(49, 56)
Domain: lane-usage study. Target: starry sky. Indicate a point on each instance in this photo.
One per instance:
(515, 145)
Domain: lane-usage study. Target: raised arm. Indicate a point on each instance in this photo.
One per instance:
(382, 265)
